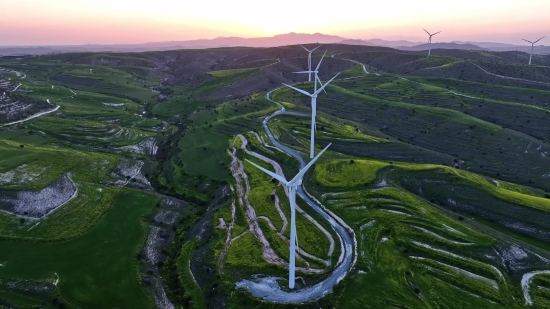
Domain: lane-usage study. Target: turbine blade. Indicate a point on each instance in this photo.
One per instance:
(539, 39)
(319, 80)
(528, 41)
(299, 90)
(320, 61)
(270, 173)
(300, 72)
(304, 170)
(436, 33)
(323, 87)
(316, 48)
(427, 32)
(305, 48)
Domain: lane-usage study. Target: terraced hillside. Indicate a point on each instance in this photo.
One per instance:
(74, 195)
(136, 192)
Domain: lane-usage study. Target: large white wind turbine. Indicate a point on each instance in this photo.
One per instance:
(532, 48)
(430, 41)
(309, 58)
(313, 97)
(292, 185)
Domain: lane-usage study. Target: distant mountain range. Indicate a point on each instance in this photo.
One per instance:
(277, 40)
(426, 46)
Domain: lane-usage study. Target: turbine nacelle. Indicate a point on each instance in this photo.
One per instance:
(532, 48)
(297, 180)
(533, 43)
(430, 40)
(310, 51)
(309, 58)
(314, 94)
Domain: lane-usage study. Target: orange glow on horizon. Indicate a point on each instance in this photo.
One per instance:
(41, 22)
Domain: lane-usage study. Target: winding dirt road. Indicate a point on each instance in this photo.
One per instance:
(268, 288)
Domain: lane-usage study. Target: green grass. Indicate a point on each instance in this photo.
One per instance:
(96, 270)
(190, 100)
(246, 254)
(389, 272)
(69, 221)
(226, 73)
(204, 144)
(36, 167)
(343, 174)
(202, 151)
(186, 277)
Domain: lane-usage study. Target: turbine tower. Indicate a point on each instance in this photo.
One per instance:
(430, 41)
(313, 97)
(309, 58)
(292, 185)
(532, 48)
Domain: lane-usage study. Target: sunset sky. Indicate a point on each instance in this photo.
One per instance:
(57, 22)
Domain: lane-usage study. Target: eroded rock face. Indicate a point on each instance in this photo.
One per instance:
(37, 204)
(167, 217)
(157, 239)
(147, 146)
(171, 202)
(128, 174)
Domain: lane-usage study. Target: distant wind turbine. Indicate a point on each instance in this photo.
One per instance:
(313, 97)
(532, 48)
(309, 58)
(430, 41)
(292, 185)
(316, 73)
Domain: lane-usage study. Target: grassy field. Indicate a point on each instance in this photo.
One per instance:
(394, 228)
(98, 114)
(204, 144)
(440, 169)
(95, 270)
(443, 135)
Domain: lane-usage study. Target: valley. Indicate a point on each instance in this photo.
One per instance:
(124, 180)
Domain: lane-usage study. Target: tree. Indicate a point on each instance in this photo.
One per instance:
(21, 146)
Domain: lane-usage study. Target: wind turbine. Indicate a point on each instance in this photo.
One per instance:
(309, 58)
(430, 41)
(316, 72)
(532, 48)
(292, 185)
(313, 97)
